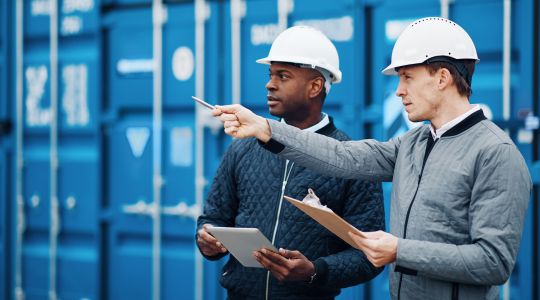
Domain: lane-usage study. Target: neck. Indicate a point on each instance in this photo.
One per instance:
(305, 122)
(449, 110)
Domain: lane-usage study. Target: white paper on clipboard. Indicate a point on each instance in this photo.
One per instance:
(329, 220)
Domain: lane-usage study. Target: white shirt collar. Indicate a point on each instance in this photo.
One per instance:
(325, 121)
(437, 134)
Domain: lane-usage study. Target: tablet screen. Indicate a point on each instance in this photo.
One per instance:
(241, 242)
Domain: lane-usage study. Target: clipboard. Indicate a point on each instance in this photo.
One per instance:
(329, 220)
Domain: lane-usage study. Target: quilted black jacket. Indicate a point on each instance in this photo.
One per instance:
(246, 193)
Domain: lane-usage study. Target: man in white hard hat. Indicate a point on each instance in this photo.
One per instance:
(250, 183)
(460, 187)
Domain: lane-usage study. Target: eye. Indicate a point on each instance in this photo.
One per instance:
(283, 76)
(406, 76)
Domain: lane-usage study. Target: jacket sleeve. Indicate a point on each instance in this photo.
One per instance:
(367, 159)
(496, 214)
(364, 209)
(222, 203)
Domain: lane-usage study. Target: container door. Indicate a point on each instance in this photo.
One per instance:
(4, 121)
(58, 221)
(59, 248)
(150, 229)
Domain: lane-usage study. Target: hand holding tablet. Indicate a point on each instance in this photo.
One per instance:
(241, 242)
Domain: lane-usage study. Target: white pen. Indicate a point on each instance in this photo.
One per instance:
(202, 102)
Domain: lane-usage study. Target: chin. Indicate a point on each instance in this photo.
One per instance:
(413, 118)
(275, 113)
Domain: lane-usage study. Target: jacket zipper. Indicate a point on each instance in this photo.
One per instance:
(286, 174)
(410, 207)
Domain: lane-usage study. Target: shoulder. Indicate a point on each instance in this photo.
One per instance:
(339, 135)
(241, 147)
(330, 130)
(491, 142)
(493, 133)
(486, 136)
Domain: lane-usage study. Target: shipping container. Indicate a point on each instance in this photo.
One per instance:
(59, 244)
(5, 142)
(116, 159)
(157, 163)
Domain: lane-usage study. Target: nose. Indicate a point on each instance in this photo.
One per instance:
(400, 92)
(271, 85)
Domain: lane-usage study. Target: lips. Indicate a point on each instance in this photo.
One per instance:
(272, 100)
(406, 105)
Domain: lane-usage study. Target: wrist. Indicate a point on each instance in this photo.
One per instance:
(264, 133)
(313, 273)
(320, 272)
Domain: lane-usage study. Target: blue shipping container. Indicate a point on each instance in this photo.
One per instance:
(117, 157)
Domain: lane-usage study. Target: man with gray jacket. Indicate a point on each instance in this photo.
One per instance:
(460, 187)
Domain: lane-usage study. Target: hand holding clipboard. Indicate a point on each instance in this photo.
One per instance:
(329, 220)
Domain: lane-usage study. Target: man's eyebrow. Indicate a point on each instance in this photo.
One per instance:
(404, 72)
(280, 71)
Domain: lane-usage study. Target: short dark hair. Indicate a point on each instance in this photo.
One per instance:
(462, 84)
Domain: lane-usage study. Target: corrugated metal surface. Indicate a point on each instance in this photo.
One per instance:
(130, 151)
(535, 261)
(109, 141)
(62, 263)
(4, 196)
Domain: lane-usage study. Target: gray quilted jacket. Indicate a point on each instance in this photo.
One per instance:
(458, 204)
(246, 192)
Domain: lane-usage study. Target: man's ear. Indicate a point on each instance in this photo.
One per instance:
(316, 86)
(445, 78)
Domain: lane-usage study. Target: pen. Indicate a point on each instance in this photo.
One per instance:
(202, 102)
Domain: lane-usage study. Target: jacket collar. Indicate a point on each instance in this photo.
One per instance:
(467, 123)
(327, 124)
(328, 129)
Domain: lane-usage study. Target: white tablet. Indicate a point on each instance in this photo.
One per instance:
(241, 242)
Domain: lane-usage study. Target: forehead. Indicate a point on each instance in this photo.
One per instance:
(294, 70)
(279, 66)
(415, 69)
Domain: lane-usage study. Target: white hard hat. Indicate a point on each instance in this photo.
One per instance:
(430, 37)
(306, 46)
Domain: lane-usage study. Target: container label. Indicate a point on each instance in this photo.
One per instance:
(181, 147)
(336, 29)
(134, 66)
(183, 63)
(36, 77)
(69, 24)
(137, 138)
(264, 34)
(75, 98)
(393, 28)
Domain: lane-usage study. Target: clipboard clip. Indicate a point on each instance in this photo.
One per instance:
(312, 200)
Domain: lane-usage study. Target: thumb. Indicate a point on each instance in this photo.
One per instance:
(358, 240)
(230, 109)
(290, 254)
(373, 235)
